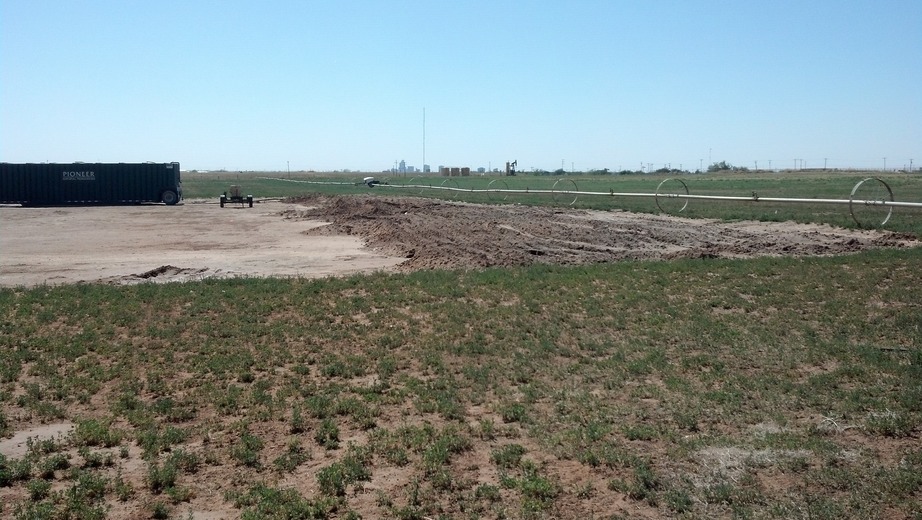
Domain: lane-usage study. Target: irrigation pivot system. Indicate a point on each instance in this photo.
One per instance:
(869, 192)
(671, 196)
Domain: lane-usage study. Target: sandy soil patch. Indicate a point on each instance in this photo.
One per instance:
(129, 244)
(18, 445)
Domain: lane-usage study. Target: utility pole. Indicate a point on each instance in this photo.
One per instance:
(769, 165)
(289, 168)
(424, 140)
(824, 163)
(910, 165)
(885, 164)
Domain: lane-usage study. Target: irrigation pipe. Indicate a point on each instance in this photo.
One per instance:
(852, 202)
(753, 198)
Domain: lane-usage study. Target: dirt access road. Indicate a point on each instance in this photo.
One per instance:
(193, 240)
(322, 235)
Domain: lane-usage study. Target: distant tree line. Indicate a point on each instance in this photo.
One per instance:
(724, 166)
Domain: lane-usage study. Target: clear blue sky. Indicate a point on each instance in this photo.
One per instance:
(253, 85)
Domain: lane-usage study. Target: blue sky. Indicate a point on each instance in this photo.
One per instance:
(324, 85)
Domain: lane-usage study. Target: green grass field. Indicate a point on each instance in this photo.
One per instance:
(812, 185)
(764, 388)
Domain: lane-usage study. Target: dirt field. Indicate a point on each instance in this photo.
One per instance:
(198, 240)
(191, 241)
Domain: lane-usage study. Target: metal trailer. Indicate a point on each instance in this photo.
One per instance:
(51, 184)
(235, 197)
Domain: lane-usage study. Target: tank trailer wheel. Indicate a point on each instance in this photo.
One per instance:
(169, 197)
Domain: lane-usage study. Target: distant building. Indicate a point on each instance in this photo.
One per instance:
(454, 171)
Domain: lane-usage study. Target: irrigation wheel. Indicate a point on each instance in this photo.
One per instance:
(454, 190)
(497, 194)
(413, 187)
(868, 202)
(670, 196)
(559, 193)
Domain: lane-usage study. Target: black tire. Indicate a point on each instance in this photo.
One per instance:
(169, 197)
(223, 200)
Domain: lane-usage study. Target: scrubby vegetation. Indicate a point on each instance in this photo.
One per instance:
(770, 388)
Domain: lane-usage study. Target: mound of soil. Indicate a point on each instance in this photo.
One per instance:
(440, 234)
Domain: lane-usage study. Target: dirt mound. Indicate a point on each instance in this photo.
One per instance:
(164, 273)
(439, 234)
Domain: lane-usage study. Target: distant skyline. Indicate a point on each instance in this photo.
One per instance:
(582, 85)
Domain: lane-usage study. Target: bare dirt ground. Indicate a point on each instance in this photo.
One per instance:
(438, 234)
(197, 240)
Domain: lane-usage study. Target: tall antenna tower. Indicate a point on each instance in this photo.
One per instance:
(424, 140)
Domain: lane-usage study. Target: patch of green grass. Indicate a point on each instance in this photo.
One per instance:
(508, 456)
(161, 477)
(93, 432)
(755, 388)
(159, 510)
(123, 489)
(95, 459)
(47, 466)
(439, 396)
(645, 484)
(640, 432)
(247, 450)
(892, 424)
(294, 456)
(351, 469)
(13, 470)
(82, 498)
(538, 491)
(297, 420)
(154, 439)
(444, 446)
(327, 434)
(391, 446)
(38, 489)
(263, 502)
(513, 412)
